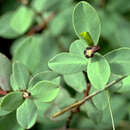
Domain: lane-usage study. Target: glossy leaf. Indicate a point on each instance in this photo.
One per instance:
(98, 71)
(44, 91)
(5, 72)
(27, 114)
(119, 61)
(22, 19)
(76, 81)
(86, 19)
(12, 101)
(20, 76)
(66, 63)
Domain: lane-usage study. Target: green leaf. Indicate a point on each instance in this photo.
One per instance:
(11, 101)
(46, 75)
(78, 47)
(65, 63)
(119, 61)
(98, 71)
(22, 19)
(44, 91)
(125, 88)
(5, 29)
(27, 114)
(100, 100)
(86, 19)
(76, 81)
(9, 122)
(20, 76)
(3, 112)
(5, 72)
(27, 57)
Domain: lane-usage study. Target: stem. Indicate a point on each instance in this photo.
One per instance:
(87, 98)
(41, 26)
(2, 92)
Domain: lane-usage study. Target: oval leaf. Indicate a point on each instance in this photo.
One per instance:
(11, 101)
(22, 19)
(86, 19)
(5, 72)
(98, 71)
(27, 114)
(65, 63)
(76, 81)
(44, 91)
(119, 60)
(20, 76)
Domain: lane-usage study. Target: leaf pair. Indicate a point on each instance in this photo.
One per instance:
(43, 89)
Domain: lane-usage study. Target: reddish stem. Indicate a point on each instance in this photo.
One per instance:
(2, 92)
(86, 92)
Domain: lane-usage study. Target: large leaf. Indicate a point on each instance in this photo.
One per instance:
(98, 71)
(76, 81)
(21, 76)
(119, 60)
(11, 101)
(44, 91)
(86, 19)
(65, 63)
(5, 72)
(22, 19)
(27, 114)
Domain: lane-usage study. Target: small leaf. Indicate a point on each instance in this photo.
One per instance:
(46, 75)
(65, 63)
(20, 76)
(78, 47)
(22, 19)
(76, 81)
(11, 101)
(44, 91)
(27, 114)
(5, 72)
(86, 36)
(86, 19)
(98, 71)
(119, 60)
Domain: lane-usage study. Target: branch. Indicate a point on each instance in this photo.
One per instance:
(87, 98)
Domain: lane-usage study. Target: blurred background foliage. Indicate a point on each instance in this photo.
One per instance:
(33, 31)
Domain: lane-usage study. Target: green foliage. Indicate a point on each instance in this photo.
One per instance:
(27, 117)
(85, 19)
(50, 69)
(98, 71)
